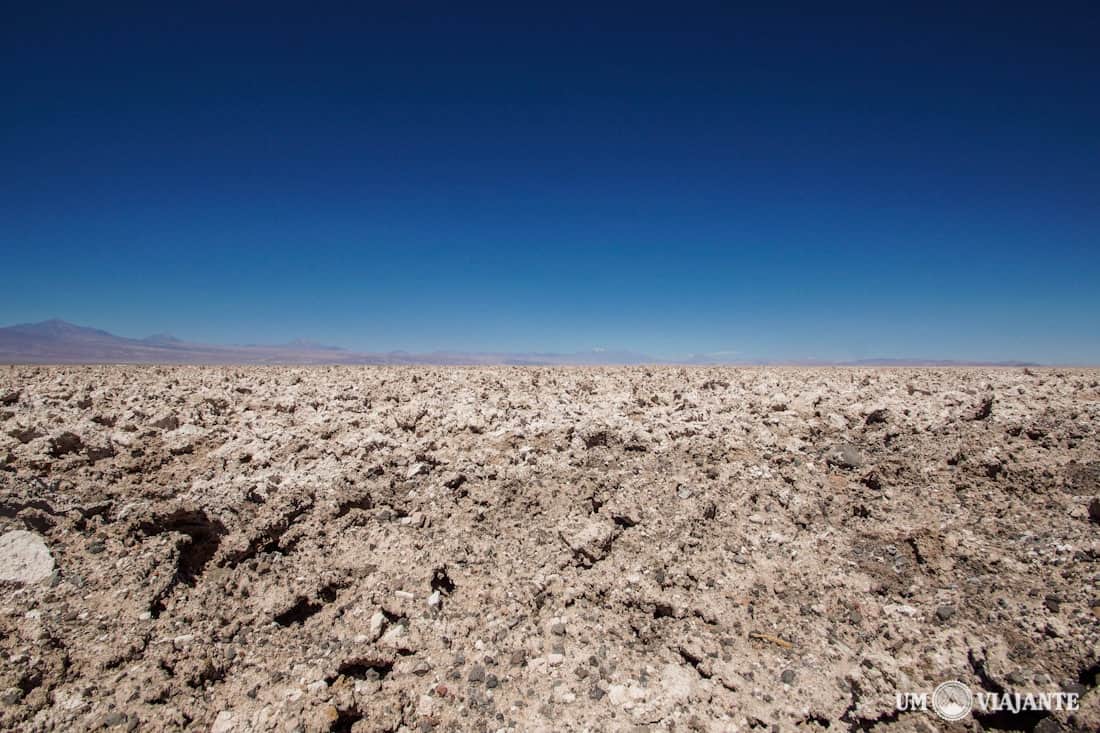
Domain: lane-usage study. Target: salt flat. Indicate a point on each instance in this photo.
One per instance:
(630, 548)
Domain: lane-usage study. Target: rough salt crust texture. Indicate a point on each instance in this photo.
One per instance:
(483, 549)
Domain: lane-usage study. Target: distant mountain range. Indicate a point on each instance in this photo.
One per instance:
(60, 342)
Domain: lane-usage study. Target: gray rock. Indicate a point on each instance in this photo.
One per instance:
(945, 613)
(477, 674)
(24, 557)
(113, 719)
(876, 416)
(64, 444)
(787, 677)
(25, 435)
(845, 456)
(171, 422)
(592, 541)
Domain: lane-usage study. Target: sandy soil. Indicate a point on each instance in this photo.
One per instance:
(493, 549)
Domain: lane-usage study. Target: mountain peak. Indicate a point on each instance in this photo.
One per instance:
(57, 328)
(162, 338)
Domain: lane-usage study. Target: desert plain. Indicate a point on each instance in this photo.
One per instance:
(512, 549)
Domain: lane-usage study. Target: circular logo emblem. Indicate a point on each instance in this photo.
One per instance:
(952, 700)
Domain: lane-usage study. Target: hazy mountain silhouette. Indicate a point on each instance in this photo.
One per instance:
(59, 342)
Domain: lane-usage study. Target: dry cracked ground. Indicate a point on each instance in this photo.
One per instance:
(496, 549)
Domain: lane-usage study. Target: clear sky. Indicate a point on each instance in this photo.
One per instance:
(834, 181)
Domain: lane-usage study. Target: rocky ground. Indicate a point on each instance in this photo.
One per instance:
(484, 549)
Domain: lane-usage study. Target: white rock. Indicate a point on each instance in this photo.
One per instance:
(592, 540)
(377, 623)
(625, 695)
(679, 682)
(392, 638)
(24, 557)
(554, 659)
(223, 723)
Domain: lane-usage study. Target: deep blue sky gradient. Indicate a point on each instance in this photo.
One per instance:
(831, 181)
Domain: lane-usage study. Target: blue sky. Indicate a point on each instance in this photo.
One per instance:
(787, 183)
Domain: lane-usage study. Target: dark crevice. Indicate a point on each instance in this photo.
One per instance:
(441, 581)
(695, 662)
(1023, 720)
(663, 610)
(345, 720)
(298, 613)
(708, 620)
(364, 668)
(28, 683)
(205, 535)
(393, 618)
(988, 683)
(11, 509)
(597, 439)
(160, 600)
(304, 608)
(1087, 676)
(818, 719)
(623, 521)
(912, 542)
(361, 502)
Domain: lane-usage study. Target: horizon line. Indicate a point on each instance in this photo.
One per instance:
(303, 351)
